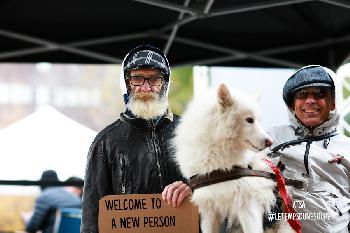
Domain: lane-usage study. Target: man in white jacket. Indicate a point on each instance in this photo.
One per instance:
(316, 157)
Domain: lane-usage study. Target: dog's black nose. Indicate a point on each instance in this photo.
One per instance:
(269, 142)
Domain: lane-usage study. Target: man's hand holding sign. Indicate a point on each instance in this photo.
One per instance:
(175, 193)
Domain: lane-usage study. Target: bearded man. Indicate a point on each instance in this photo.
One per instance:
(133, 155)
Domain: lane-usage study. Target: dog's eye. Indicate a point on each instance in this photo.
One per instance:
(249, 120)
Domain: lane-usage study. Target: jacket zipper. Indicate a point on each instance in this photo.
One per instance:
(339, 212)
(306, 157)
(157, 155)
(122, 161)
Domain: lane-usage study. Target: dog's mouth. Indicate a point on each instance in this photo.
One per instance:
(255, 147)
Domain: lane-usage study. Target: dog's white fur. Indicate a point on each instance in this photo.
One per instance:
(216, 132)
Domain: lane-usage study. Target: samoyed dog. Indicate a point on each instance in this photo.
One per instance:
(217, 132)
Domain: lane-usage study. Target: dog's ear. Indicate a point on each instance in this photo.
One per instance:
(224, 96)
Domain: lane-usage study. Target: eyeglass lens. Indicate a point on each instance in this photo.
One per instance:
(316, 93)
(140, 80)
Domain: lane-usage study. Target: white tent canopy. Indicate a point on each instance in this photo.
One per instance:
(45, 139)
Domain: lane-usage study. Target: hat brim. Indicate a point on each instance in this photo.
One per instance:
(312, 85)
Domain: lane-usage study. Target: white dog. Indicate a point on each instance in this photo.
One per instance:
(215, 133)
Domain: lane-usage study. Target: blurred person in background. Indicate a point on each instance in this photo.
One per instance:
(51, 198)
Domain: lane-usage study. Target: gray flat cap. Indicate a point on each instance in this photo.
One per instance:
(308, 76)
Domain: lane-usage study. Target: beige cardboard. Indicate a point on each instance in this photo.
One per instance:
(145, 213)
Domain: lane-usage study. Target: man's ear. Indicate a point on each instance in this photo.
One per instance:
(292, 107)
(332, 104)
(224, 96)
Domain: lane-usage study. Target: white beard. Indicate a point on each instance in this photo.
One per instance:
(147, 105)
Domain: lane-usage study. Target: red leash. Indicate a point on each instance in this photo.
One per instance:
(294, 223)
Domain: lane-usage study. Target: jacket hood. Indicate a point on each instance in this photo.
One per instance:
(144, 56)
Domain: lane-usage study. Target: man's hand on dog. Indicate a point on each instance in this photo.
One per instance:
(174, 193)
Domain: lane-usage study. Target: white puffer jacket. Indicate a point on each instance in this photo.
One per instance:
(325, 196)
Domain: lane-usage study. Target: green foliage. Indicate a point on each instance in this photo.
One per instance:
(181, 88)
(347, 119)
(346, 94)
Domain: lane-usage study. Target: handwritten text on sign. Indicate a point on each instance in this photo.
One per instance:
(145, 213)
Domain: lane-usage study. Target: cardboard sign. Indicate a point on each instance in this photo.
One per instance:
(145, 213)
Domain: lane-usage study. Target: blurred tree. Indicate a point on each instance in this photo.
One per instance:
(181, 88)
(346, 94)
(110, 96)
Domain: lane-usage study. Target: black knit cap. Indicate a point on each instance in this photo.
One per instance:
(48, 176)
(308, 76)
(147, 56)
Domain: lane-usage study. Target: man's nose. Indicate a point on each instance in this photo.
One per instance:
(145, 86)
(310, 99)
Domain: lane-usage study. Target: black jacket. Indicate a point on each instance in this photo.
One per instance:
(129, 156)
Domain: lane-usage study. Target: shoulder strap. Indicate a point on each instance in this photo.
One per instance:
(298, 141)
(308, 141)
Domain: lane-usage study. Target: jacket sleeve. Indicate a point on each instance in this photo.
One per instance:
(174, 172)
(96, 185)
(40, 213)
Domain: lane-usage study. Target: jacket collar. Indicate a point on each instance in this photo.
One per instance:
(128, 118)
(326, 127)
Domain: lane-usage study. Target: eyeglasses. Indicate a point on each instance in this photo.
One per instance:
(137, 80)
(317, 93)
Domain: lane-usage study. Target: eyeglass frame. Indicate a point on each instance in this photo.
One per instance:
(144, 79)
(317, 93)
